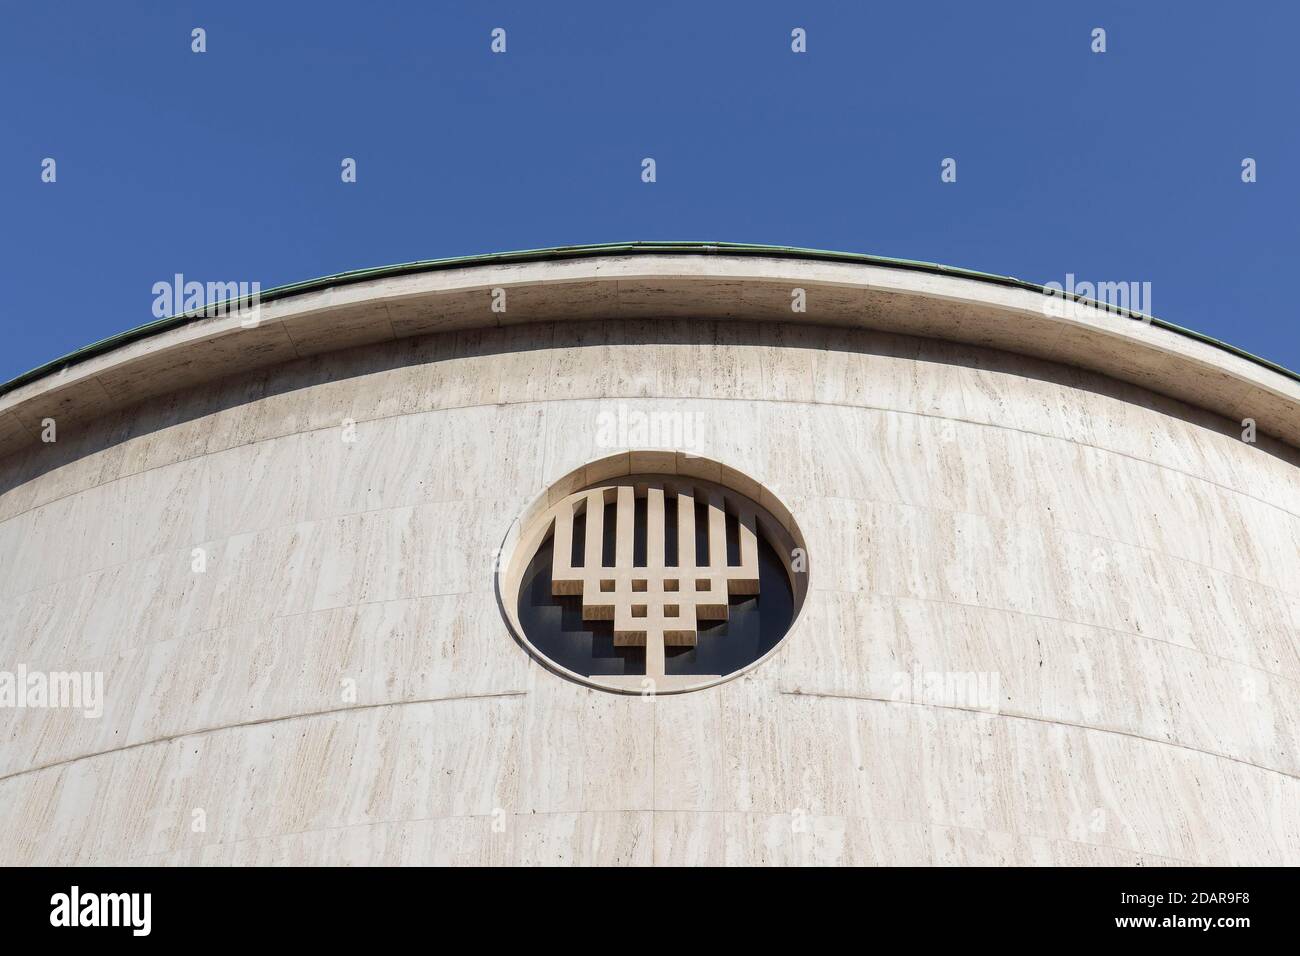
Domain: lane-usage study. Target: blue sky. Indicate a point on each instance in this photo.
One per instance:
(1122, 166)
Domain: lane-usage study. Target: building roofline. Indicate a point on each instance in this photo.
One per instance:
(560, 253)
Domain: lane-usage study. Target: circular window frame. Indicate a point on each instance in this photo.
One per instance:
(530, 530)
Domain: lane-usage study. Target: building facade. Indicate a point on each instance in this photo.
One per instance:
(1048, 610)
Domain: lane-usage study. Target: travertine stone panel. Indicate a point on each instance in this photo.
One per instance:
(338, 685)
(738, 749)
(875, 297)
(666, 359)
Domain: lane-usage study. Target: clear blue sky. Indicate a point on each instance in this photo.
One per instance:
(225, 166)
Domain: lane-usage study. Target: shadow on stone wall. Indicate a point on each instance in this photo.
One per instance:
(157, 414)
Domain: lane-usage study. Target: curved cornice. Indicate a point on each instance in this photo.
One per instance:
(645, 281)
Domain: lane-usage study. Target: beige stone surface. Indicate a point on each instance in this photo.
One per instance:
(657, 287)
(1121, 563)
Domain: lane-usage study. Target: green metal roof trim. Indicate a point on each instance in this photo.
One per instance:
(604, 249)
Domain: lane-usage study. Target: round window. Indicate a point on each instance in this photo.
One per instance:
(652, 582)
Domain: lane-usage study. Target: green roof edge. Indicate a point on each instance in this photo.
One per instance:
(604, 249)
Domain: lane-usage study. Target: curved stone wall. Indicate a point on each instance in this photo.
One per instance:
(1116, 569)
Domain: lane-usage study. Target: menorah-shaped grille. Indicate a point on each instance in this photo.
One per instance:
(655, 604)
